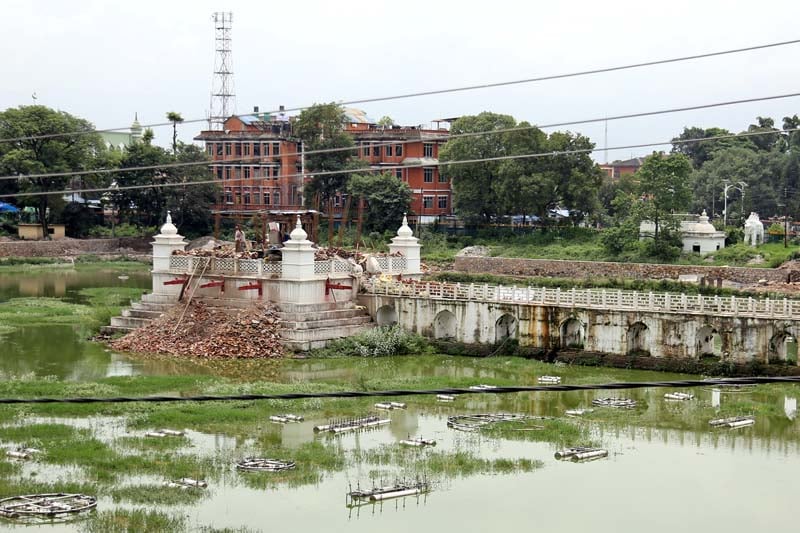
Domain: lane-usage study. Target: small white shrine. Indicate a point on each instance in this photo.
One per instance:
(753, 230)
(698, 235)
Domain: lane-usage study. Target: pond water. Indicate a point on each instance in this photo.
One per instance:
(667, 470)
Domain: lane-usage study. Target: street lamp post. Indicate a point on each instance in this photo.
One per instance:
(738, 186)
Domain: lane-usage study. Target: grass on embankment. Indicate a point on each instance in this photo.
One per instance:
(101, 304)
(81, 263)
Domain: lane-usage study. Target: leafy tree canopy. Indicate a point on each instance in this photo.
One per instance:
(387, 199)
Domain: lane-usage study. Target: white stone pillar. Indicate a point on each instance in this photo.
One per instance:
(297, 255)
(408, 245)
(164, 244)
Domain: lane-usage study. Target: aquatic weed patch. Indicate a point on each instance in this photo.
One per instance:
(156, 495)
(139, 520)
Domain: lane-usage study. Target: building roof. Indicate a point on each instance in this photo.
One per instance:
(358, 116)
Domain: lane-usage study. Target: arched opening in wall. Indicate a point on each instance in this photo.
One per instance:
(572, 334)
(637, 339)
(505, 327)
(386, 316)
(709, 342)
(783, 347)
(444, 325)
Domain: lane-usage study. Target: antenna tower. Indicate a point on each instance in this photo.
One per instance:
(223, 97)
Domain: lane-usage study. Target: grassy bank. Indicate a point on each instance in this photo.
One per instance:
(87, 262)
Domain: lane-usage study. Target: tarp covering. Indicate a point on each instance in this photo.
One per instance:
(7, 208)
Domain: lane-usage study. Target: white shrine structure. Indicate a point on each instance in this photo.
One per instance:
(698, 235)
(753, 230)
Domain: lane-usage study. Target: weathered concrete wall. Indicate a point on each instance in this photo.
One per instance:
(605, 331)
(73, 247)
(593, 269)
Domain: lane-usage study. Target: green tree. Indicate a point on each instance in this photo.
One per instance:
(473, 183)
(321, 127)
(68, 153)
(191, 202)
(771, 139)
(175, 118)
(144, 205)
(665, 181)
(701, 151)
(387, 199)
(386, 121)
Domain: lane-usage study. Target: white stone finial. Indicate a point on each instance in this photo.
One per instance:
(169, 228)
(404, 230)
(298, 234)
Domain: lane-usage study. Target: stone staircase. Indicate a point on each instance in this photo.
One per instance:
(310, 326)
(139, 313)
(305, 326)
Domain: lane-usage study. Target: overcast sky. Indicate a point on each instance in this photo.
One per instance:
(103, 60)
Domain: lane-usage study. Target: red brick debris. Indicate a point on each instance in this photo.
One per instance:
(209, 332)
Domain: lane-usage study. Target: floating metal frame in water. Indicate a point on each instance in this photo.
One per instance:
(619, 403)
(678, 396)
(581, 453)
(418, 442)
(161, 433)
(390, 406)
(260, 464)
(23, 453)
(360, 497)
(186, 483)
(46, 506)
(478, 421)
(549, 380)
(352, 424)
(733, 422)
(285, 418)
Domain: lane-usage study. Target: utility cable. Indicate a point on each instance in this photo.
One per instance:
(761, 380)
(227, 182)
(448, 90)
(396, 142)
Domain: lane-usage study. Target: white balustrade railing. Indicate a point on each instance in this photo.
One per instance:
(252, 267)
(592, 298)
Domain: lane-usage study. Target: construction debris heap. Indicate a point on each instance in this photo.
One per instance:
(209, 332)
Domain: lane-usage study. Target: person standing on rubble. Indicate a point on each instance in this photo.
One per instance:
(238, 239)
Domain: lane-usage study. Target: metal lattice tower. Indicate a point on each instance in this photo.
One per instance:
(223, 96)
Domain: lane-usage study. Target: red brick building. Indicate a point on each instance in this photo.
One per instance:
(255, 159)
(414, 148)
(617, 169)
(259, 163)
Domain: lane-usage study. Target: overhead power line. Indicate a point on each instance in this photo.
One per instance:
(447, 90)
(412, 392)
(385, 143)
(392, 167)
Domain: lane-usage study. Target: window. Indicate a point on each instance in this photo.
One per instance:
(276, 148)
(257, 149)
(266, 149)
(227, 148)
(428, 175)
(398, 172)
(219, 173)
(266, 197)
(246, 149)
(365, 150)
(228, 196)
(209, 149)
(388, 150)
(442, 179)
(443, 202)
(237, 197)
(376, 150)
(398, 149)
(247, 196)
(219, 148)
(337, 201)
(427, 202)
(277, 198)
(238, 148)
(227, 173)
(246, 173)
(427, 150)
(275, 171)
(299, 147)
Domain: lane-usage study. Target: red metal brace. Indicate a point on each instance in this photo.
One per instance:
(253, 285)
(217, 283)
(329, 286)
(177, 281)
